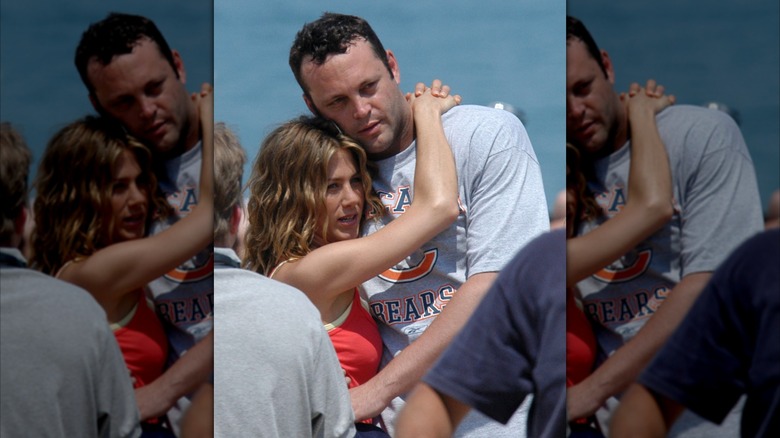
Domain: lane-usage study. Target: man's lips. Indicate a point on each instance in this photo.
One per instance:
(369, 128)
(156, 130)
(585, 129)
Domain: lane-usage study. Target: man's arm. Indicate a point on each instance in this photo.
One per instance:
(643, 413)
(406, 369)
(623, 367)
(429, 413)
(182, 378)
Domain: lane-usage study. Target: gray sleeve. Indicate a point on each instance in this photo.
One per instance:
(720, 203)
(507, 205)
(118, 414)
(332, 414)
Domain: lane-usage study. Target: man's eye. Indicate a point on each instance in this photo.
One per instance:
(155, 88)
(370, 88)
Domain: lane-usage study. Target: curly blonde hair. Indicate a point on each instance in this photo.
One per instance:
(288, 187)
(74, 185)
(577, 170)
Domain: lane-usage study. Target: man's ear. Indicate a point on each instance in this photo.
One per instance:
(96, 105)
(179, 64)
(393, 63)
(235, 219)
(310, 105)
(607, 63)
(20, 221)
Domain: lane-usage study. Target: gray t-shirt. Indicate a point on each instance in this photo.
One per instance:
(503, 207)
(276, 373)
(61, 371)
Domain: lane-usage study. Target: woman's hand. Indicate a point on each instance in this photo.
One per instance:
(204, 101)
(436, 97)
(648, 100)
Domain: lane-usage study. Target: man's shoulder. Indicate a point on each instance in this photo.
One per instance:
(484, 130)
(244, 287)
(691, 115)
(26, 290)
(44, 289)
(478, 114)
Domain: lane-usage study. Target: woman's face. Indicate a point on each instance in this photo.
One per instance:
(344, 200)
(129, 199)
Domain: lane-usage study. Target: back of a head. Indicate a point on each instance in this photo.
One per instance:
(329, 35)
(229, 159)
(15, 158)
(117, 34)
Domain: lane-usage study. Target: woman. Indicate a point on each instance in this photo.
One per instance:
(96, 197)
(310, 193)
(649, 205)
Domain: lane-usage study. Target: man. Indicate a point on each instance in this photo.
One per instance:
(716, 208)
(726, 347)
(61, 370)
(133, 76)
(513, 345)
(276, 372)
(347, 77)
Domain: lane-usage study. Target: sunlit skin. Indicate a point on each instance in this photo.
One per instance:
(129, 200)
(596, 121)
(141, 90)
(357, 92)
(344, 200)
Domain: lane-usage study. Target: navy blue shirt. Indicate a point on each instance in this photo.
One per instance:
(729, 343)
(515, 343)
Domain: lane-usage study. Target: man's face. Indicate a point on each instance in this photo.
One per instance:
(141, 90)
(355, 90)
(592, 106)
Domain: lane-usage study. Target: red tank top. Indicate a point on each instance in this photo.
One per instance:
(580, 343)
(143, 344)
(358, 344)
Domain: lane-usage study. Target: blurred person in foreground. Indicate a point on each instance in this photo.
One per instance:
(61, 371)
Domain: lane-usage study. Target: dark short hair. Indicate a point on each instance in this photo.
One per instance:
(575, 29)
(117, 34)
(332, 34)
(15, 160)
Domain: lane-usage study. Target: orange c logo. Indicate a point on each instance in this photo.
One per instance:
(628, 273)
(199, 273)
(412, 273)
